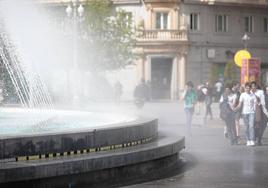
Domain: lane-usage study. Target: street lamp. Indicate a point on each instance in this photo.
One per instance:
(245, 40)
(75, 12)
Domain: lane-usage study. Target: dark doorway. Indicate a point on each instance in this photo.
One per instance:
(161, 77)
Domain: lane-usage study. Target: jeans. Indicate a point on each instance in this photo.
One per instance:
(260, 127)
(208, 111)
(189, 115)
(231, 130)
(249, 123)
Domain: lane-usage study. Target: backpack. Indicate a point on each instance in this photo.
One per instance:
(200, 95)
(225, 109)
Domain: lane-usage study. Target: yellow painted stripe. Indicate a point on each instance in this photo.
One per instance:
(21, 158)
(92, 150)
(88, 150)
(33, 157)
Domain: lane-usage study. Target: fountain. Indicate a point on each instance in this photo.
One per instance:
(44, 147)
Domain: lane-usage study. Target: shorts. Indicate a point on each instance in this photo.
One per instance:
(238, 115)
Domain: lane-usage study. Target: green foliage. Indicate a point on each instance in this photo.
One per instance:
(231, 72)
(109, 37)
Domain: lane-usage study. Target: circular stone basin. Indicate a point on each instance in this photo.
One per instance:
(16, 122)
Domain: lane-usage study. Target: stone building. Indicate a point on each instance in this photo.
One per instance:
(215, 32)
(181, 40)
(162, 44)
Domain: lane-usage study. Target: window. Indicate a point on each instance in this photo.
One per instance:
(194, 21)
(128, 18)
(125, 18)
(161, 20)
(265, 25)
(248, 24)
(221, 23)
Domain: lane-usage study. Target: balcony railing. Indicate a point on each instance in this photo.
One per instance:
(162, 35)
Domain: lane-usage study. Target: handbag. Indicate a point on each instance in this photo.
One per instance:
(257, 113)
(225, 109)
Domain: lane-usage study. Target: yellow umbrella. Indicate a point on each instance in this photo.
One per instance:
(240, 55)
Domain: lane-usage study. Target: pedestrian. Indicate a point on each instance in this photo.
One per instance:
(237, 89)
(118, 90)
(260, 110)
(208, 101)
(189, 98)
(141, 93)
(227, 102)
(247, 102)
(200, 99)
(265, 112)
(218, 88)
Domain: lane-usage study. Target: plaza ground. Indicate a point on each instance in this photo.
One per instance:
(208, 159)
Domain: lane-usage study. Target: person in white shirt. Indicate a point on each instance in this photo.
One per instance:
(208, 101)
(260, 111)
(218, 86)
(248, 101)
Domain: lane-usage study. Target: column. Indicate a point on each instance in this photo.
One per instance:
(140, 69)
(174, 79)
(183, 22)
(176, 18)
(182, 72)
(147, 71)
(143, 67)
(149, 17)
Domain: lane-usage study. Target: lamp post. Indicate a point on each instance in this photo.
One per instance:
(75, 13)
(245, 40)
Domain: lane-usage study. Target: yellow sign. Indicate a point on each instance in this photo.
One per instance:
(240, 55)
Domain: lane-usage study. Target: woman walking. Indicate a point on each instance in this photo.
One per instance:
(237, 90)
(260, 111)
(227, 102)
(208, 102)
(189, 98)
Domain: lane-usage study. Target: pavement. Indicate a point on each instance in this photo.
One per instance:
(209, 161)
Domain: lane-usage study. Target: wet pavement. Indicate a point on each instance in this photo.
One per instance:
(209, 160)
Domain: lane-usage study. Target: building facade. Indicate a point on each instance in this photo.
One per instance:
(215, 34)
(181, 40)
(162, 44)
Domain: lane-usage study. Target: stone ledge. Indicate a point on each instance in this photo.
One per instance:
(72, 165)
(13, 147)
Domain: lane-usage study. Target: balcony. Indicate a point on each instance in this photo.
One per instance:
(258, 3)
(161, 35)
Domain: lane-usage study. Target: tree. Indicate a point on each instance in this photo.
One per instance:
(231, 72)
(108, 39)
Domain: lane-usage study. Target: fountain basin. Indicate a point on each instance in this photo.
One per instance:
(115, 149)
(27, 133)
